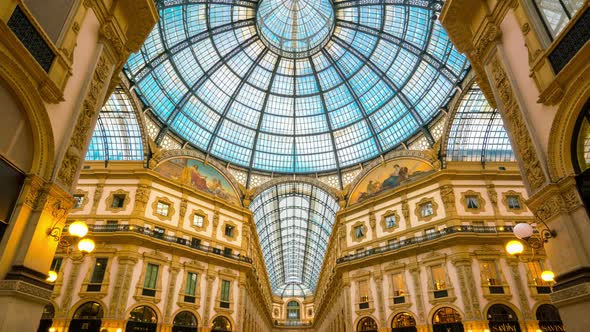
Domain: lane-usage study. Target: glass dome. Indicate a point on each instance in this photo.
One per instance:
(296, 86)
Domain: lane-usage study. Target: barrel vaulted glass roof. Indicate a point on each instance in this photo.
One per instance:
(477, 132)
(294, 221)
(296, 86)
(117, 135)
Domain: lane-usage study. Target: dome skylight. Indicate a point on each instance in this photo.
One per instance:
(296, 86)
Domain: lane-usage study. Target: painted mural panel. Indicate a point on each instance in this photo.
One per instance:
(389, 176)
(194, 173)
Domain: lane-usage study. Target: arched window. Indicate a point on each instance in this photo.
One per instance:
(581, 154)
(367, 324)
(502, 317)
(87, 318)
(46, 318)
(142, 318)
(549, 318)
(403, 322)
(185, 321)
(221, 324)
(293, 310)
(447, 319)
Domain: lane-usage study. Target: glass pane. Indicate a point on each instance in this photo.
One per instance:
(151, 276)
(100, 267)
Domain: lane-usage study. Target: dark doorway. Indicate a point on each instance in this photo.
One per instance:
(367, 324)
(549, 319)
(403, 322)
(46, 318)
(142, 319)
(502, 319)
(185, 321)
(221, 324)
(87, 318)
(447, 320)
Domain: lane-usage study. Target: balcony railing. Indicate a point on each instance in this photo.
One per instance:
(425, 238)
(126, 228)
(292, 322)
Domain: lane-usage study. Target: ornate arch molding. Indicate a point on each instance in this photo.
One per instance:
(26, 93)
(401, 311)
(559, 152)
(508, 304)
(467, 84)
(155, 308)
(160, 156)
(79, 303)
(428, 156)
(305, 179)
(442, 305)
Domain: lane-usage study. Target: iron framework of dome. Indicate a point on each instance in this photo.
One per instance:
(345, 82)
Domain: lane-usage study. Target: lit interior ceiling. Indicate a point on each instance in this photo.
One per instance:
(296, 86)
(294, 222)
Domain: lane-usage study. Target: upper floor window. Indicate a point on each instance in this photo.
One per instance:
(536, 268)
(191, 287)
(513, 202)
(198, 220)
(555, 14)
(151, 277)
(100, 268)
(426, 209)
(363, 291)
(390, 221)
(78, 201)
(118, 201)
(225, 289)
(56, 264)
(163, 209)
(398, 284)
(472, 202)
(229, 230)
(293, 310)
(438, 277)
(359, 231)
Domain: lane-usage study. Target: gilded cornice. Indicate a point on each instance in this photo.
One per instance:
(555, 198)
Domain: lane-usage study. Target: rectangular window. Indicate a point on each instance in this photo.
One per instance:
(78, 201)
(100, 267)
(556, 13)
(513, 202)
(363, 291)
(151, 277)
(118, 201)
(198, 220)
(225, 289)
(438, 277)
(390, 221)
(56, 264)
(398, 284)
(472, 202)
(191, 287)
(162, 208)
(359, 231)
(536, 268)
(229, 230)
(426, 209)
(492, 276)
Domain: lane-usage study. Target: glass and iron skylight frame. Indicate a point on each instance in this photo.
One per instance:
(477, 132)
(294, 221)
(382, 78)
(117, 135)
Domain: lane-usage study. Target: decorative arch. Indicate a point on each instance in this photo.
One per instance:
(360, 319)
(79, 303)
(435, 309)
(26, 93)
(146, 304)
(397, 312)
(286, 179)
(559, 151)
(293, 304)
(510, 305)
(228, 317)
(191, 310)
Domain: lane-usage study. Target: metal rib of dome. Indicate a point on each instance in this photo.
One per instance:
(380, 76)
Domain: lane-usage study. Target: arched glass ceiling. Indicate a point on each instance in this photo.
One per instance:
(477, 132)
(307, 104)
(294, 222)
(117, 135)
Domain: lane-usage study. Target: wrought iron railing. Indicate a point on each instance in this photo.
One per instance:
(425, 238)
(126, 228)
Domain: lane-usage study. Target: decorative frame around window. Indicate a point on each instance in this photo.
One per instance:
(229, 223)
(472, 201)
(230, 276)
(201, 214)
(165, 200)
(433, 295)
(82, 205)
(109, 201)
(513, 194)
(397, 298)
(353, 231)
(384, 221)
(420, 206)
(491, 291)
(191, 267)
(363, 305)
(155, 259)
(104, 285)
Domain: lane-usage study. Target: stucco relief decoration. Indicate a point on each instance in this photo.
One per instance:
(197, 175)
(389, 176)
(516, 125)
